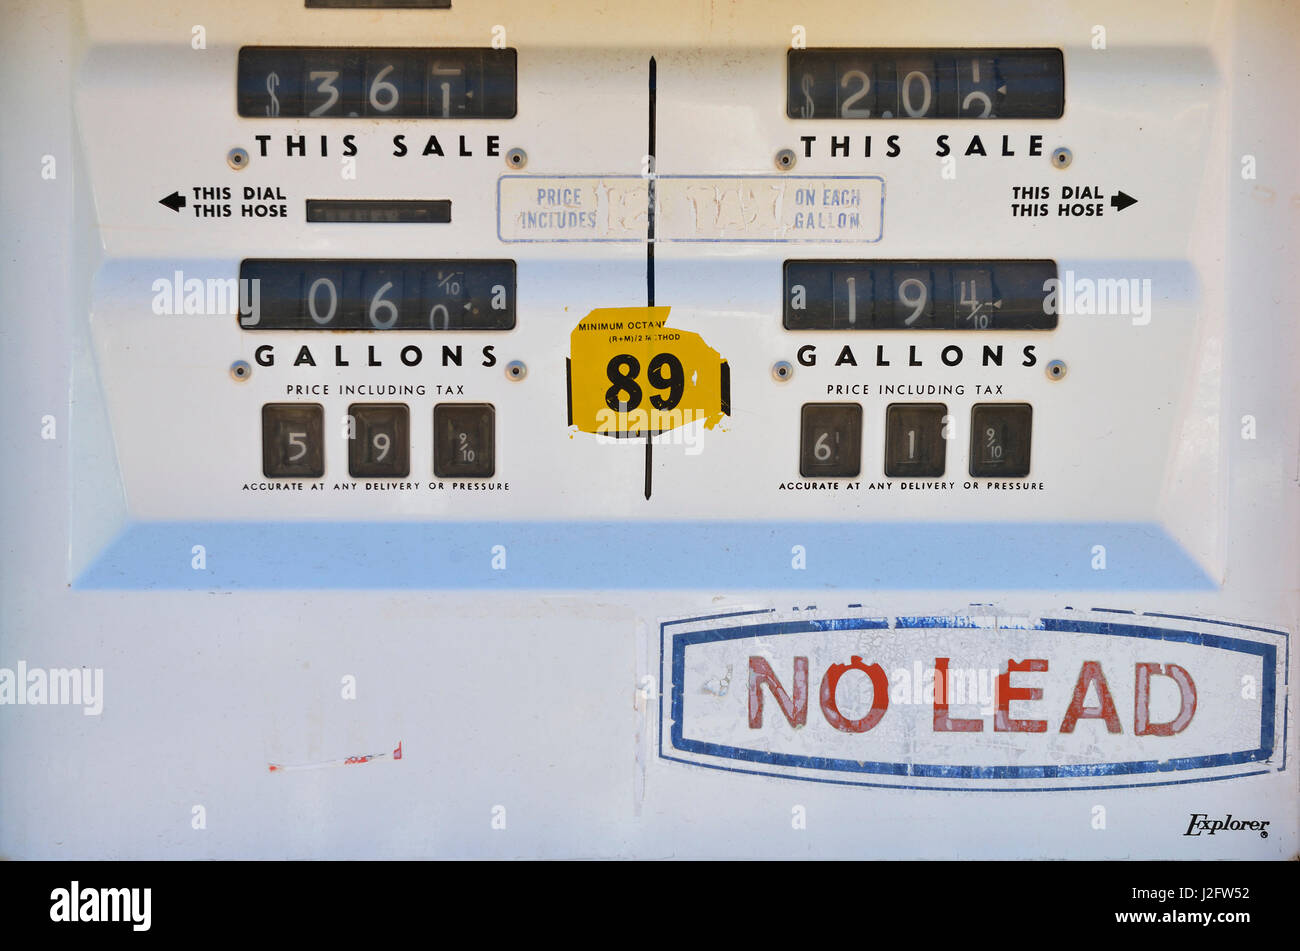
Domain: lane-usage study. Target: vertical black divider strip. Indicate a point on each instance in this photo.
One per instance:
(650, 261)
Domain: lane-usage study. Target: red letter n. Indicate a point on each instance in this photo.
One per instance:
(796, 709)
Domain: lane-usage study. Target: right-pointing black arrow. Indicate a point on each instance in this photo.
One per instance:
(176, 201)
(1119, 200)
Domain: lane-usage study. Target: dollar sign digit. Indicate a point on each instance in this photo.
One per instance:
(273, 81)
(806, 111)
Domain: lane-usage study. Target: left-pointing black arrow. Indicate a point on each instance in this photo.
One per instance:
(175, 201)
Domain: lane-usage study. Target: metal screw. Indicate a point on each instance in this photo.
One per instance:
(1056, 370)
(516, 158)
(237, 159)
(516, 371)
(782, 371)
(785, 159)
(1062, 157)
(240, 370)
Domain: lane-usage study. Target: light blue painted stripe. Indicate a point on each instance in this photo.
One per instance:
(642, 555)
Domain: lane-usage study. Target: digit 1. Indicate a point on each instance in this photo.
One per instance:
(445, 87)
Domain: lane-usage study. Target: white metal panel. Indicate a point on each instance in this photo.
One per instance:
(526, 688)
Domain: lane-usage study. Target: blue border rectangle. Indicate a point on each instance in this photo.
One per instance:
(662, 240)
(1267, 653)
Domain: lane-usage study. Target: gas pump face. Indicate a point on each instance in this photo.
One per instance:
(485, 429)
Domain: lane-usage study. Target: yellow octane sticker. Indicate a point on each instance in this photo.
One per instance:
(632, 375)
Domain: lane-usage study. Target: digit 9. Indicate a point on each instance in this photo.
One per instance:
(913, 297)
(674, 380)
